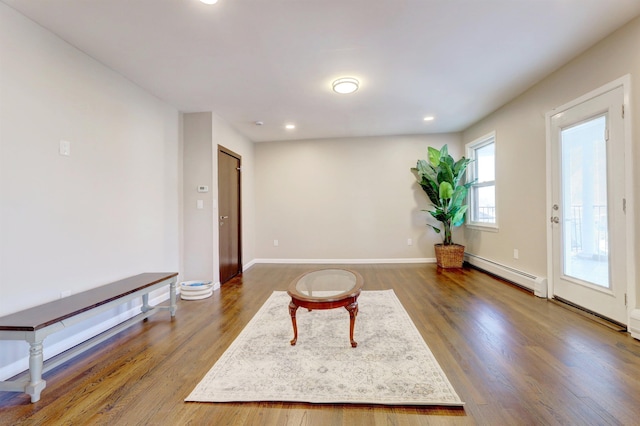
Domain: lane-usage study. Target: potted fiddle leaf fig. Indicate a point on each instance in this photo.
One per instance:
(442, 179)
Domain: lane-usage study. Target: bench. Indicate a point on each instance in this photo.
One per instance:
(34, 324)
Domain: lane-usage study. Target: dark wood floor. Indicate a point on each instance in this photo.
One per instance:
(513, 358)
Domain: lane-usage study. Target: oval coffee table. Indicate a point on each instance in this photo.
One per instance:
(326, 289)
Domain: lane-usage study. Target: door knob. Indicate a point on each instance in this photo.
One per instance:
(224, 217)
(555, 219)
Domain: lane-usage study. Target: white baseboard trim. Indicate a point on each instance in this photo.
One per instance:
(82, 332)
(634, 324)
(248, 265)
(342, 261)
(529, 281)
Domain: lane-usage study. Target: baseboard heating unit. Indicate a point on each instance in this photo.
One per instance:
(537, 284)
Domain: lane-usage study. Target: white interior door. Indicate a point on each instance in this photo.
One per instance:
(588, 205)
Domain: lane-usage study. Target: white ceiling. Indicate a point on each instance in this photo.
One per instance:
(273, 60)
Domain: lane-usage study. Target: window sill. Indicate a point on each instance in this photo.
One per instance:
(478, 227)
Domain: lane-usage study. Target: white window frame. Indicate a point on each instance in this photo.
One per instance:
(471, 149)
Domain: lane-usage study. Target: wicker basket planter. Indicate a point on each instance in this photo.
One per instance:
(449, 256)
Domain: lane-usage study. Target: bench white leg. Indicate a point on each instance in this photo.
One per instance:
(36, 384)
(145, 303)
(172, 298)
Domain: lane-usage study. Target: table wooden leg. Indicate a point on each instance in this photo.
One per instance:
(292, 311)
(353, 312)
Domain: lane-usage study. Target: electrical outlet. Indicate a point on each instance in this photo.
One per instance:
(65, 148)
(409, 242)
(516, 254)
(275, 243)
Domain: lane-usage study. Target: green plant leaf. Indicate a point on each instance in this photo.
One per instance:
(448, 160)
(459, 196)
(434, 157)
(458, 219)
(470, 183)
(431, 192)
(421, 167)
(435, 228)
(425, 171)
(446, 190)
(460, 166)
(444, 151)
(439, 215)
(445, 174)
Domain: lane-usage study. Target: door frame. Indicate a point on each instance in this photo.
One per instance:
(625, 83)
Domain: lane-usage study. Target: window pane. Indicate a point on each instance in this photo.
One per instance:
(482, 193)
(584, 202)
(485, 204)
(485, 163)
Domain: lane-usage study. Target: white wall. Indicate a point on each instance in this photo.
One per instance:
(203, 132)
(198, 223)
(344, 199)
(111, 209)
(520, 134)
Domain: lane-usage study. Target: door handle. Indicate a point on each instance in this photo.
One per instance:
(224, 217)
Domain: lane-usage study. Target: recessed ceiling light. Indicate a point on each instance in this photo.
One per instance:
(345, 85)
(290, 126)
(209, 1)
(429, 118)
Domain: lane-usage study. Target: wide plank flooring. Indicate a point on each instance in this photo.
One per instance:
(513, 358)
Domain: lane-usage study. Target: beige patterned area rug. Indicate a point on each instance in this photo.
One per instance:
(391, 364)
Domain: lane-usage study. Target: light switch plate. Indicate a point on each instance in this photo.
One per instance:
(65, 148)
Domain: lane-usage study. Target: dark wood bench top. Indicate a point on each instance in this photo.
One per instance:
(35, 318)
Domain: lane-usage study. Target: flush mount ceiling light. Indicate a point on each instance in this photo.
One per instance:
(209, 1)
(290, 126)
(429, 118)
(345, 85)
